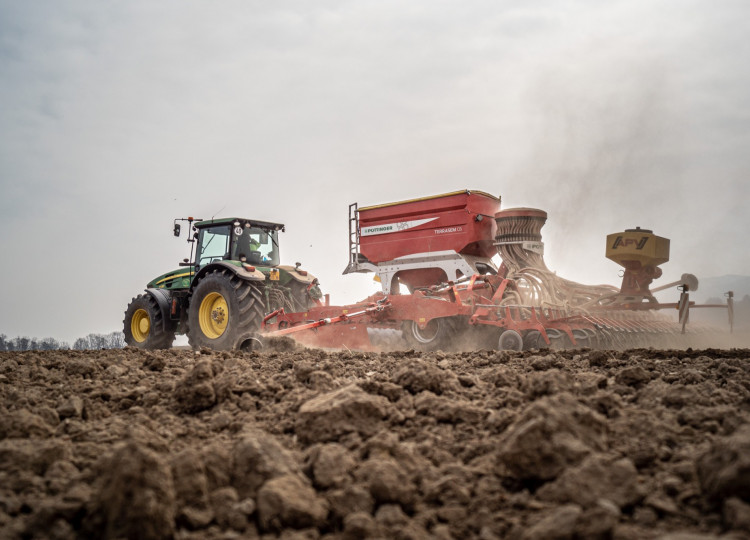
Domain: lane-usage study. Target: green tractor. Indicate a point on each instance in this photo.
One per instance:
(220, 297)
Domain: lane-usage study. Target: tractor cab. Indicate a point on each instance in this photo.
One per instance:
(236, 239)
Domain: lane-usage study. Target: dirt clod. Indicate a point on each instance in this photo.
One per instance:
(259, 457)
(134, 496)
(196, 391)
(290, 501)
(348, 410)
(550, 435)
(556, 524)
(724, 471)
(597, 477)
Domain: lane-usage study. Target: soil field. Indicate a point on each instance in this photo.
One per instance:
(304, 444)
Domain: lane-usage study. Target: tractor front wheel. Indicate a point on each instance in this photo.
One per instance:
(225, 311)
(143, 325)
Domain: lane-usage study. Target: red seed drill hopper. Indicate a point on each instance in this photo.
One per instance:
(442, 290)
(423, 242)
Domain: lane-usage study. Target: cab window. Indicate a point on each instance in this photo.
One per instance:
(257, 246)
(214, 245)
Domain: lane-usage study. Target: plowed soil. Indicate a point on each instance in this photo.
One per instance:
(305, 443)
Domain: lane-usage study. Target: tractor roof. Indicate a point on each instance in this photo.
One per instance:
(229, 220)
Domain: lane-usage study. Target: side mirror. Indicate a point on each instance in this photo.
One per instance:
(177, 228)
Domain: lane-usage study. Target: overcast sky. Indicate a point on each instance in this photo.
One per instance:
(116, 117)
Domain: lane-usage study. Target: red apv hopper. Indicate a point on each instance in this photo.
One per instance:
(421, 242)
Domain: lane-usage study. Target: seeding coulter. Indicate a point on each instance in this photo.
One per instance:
(440, 287)
(433, 257)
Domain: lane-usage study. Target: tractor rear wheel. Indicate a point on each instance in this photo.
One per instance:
(225, 311)
(437, 334)
(143, 325)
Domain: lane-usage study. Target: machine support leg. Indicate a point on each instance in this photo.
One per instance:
(730, 309)
(684, 306)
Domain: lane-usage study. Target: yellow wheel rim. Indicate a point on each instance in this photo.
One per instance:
(213, 315)
(140, 325)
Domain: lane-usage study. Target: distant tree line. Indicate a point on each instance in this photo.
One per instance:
(114, 340)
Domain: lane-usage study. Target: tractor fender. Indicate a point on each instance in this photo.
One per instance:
(239, 271)
(163, 299)
(296, 276)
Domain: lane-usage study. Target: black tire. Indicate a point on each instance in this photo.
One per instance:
(533, 340)
(143, 325)
(510, 340)
(225, 311)
(437, 335)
